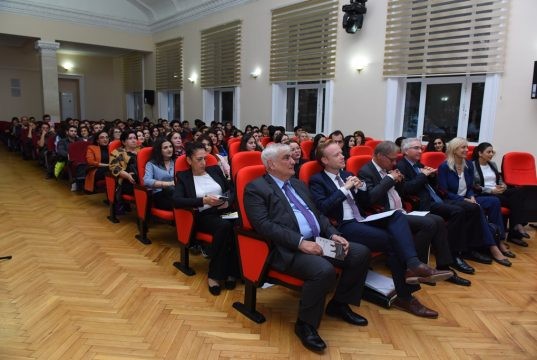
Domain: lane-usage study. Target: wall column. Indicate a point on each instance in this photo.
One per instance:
(49, 77)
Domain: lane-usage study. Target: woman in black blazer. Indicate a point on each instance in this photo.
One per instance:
(206, 190)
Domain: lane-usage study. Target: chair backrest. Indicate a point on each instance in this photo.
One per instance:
(265, 140)
(308, 169)
(243, 159)
(114, 144)
(373, 143)
(306, 147)
(76, 151)
(433, 159)
(233, 148)
(361, 150)
(142, 158)
(232, 140)
(355, 163)
(244, 176)
(518, 168)
(182, 165)
(470, 152)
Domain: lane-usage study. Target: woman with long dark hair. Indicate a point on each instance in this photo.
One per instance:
(489, 182)
(159, 174)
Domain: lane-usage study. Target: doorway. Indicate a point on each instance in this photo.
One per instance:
(69, 90)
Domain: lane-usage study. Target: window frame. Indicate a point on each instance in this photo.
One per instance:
(209, 104)
(279, 102)
(396, 94)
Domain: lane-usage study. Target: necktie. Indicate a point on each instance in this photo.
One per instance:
(432, 193)
(307, 214)
(351, 201)
(392, 194)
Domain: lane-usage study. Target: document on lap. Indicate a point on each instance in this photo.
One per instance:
(331, 248)
(378, 216)
(418, 213)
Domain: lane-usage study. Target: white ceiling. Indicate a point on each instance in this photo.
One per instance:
(130, 15)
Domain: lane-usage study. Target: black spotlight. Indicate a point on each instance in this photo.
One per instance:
(354, 15)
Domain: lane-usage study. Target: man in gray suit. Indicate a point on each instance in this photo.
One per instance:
(280, 208)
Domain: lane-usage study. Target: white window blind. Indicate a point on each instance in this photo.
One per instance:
(169, 65)
(133, 72)
(303, 41)
(445, 37)
(221, 55)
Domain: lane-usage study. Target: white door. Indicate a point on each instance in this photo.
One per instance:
(67, 105)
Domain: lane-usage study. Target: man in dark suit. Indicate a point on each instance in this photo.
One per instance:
(279, 207)
(421, 181)
(384, 183)
(338, 194)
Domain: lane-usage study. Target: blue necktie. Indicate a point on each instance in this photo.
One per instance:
(307, 214)
(350, 200)
(433, 194)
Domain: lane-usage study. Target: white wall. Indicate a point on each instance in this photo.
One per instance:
(516, 120)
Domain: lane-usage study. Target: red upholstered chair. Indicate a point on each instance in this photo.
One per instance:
(114, 144)
(142, 196)
(433, 159)
(76, 153)
(243, 159)
(306, 147)
(233, 148)
(308, 169)
(518, 169)
(232, 140)
(111, 185)
(184, 222)
(361, 150)
(265, 140)
(355, 163)
(373, 143)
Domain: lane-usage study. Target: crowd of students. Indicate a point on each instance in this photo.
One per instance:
(463, 198)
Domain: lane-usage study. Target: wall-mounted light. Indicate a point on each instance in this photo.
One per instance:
(193, 78)
(68, 65)
(256, 73)
(359, 64)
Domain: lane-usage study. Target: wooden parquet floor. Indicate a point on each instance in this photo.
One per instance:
(80, 287)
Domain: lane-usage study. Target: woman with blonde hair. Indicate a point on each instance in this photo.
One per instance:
(456, 180)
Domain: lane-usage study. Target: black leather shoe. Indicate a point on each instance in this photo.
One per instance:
(462, 266)
(509, 254)
(477, 257)
(309, 336)
(457, 280)
(519, 234)
(230, 284)
(344, 312)
(517, 241)
(215, 290)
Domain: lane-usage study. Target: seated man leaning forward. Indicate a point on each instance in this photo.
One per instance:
(339, 195)
(279, 207)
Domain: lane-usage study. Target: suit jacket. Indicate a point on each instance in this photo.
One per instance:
(377, 186)
(415, 184)
(93, 159)
(329, 200)
(271, 215)
(185, 191)
(448, 181)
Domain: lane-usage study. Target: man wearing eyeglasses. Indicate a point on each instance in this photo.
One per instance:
(420, 181)
(384, 184)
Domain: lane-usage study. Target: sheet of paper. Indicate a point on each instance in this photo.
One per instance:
(231, 216)
(418, 213)
(378, 216)
(331, 248)
(380, 283)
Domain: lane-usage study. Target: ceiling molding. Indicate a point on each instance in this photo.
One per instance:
(72, 15)
(144, 9)
(197, 12)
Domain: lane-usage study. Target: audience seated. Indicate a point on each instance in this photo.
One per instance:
(206, 190)
(489, 182)
(123, 166)
(159, 174)
(456, 179)
(97, 159)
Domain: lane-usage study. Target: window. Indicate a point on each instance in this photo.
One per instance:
(444, 106)
(221, 104)
(302, 104)
(170, 105)
(133, 85)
